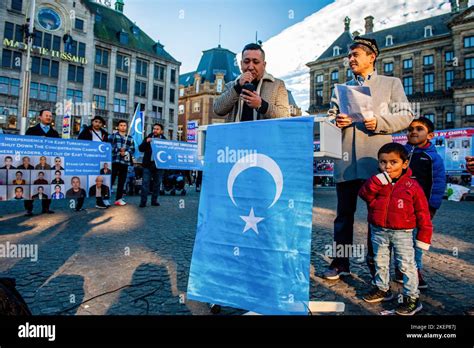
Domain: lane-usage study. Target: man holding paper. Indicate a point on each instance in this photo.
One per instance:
(368, 109)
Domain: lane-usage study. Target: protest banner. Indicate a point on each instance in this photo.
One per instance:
(41, 168)
(170, 154)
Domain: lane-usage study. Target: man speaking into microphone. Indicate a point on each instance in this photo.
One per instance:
(254, 95)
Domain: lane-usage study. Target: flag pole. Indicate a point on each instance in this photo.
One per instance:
(133, 118)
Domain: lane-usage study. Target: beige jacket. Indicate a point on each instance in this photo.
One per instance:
(271, 89)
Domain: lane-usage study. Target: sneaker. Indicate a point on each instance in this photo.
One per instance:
(398, 276)
(107, 203)
(101, 205)
(377, 295)
(120, 202)
(334, 272)
(410, 306)
(155, 204)
(421, 282)
(79, 210)
(47, 212)
(142, 205)
(29, 213)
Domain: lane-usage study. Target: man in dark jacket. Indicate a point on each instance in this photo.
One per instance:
(149, 168)
(95, 132)
(42, 129)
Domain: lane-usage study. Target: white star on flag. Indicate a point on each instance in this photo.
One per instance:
(251, 221)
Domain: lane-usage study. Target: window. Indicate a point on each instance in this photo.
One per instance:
(428, 60)
(81, 50)
(335, 75)
(319, 78)
(79, 24)
(449, 79)
(55, 69)
(389, 40)
(469, 41)
(140, 89)
(123, 62)
(37, 38)
(75, 73)
(159, 73)
(101, 56)
(428, 31)
(121, 85)
(429, 83)
(45, 64)
(43, 94)
(181, 109)
(35, 65)
(56, 43)
(9, 86)
(11, 59)
(142, 67)
(408, 85)
(171, 112)
(469, 68)
(431, 117)
(348, 74)
(469, 110)
(219, 83)
(388, 67)
(196, 106)
(449, 56)
(47, 41)
(17, 5)
(53, 93)
(173, 75)
(158, 92)
(9, 30)
(34, 90)
(408, 63)
(160, 112)
(336, 51)
(120, 105)
(123, 38)
(172, 95)
(99, 101)
(319, 93)
(449, 117)
(100, 80)
(74, 95)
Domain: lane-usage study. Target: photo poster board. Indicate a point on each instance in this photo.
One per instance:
(43, 168)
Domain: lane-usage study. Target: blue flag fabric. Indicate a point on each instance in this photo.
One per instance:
(253, 241)
(136, 131)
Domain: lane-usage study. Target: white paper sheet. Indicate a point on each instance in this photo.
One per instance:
(355, 101)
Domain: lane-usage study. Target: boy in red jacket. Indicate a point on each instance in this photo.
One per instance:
(396, 205)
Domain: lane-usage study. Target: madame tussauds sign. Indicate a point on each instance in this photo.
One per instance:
(45, 52)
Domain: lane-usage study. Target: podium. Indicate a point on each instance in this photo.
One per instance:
(330, 137)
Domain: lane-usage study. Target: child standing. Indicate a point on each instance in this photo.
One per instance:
(396, 205)
(428, 169)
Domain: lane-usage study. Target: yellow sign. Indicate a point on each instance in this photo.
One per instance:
(45, 52)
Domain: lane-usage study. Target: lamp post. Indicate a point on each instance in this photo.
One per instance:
(26, 72)
(180, 132)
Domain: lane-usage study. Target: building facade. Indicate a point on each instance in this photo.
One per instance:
(198, 89)
(433, 57)
(91, 54)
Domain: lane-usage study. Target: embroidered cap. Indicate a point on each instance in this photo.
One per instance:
(370, 43)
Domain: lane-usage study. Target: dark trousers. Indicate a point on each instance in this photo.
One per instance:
(79, 203)
(347, 193)
(148, 175)
(45, 203)
(119, 170)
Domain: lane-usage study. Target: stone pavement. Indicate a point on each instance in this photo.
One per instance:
(128, 260)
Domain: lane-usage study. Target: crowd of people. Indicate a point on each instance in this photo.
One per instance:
(403, 186)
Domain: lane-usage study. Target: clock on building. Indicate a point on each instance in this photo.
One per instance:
(49, 19)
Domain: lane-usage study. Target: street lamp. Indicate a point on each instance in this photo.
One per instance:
(26, 73)
(180, 132)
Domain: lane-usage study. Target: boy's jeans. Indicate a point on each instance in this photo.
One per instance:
(404, 253)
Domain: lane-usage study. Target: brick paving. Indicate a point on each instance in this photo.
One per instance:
(129, 260)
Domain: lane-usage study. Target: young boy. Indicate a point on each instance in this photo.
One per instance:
(428, 169)
(396, 205)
